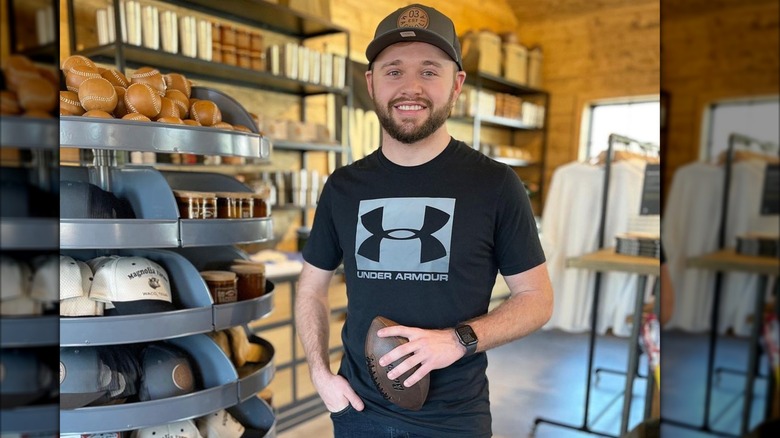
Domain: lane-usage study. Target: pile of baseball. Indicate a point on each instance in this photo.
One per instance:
(146, 95)
(29, 90)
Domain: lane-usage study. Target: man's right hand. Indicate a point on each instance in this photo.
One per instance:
(336, 392)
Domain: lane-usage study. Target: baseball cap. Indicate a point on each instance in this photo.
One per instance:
(80, 377)
(75, 282)
(15, 280)
(420, 23)
(120, 373)
(219, 424)
(45, 283)
(133, 285)
(165, 372)
(23, 377)
(83, 200)
(179, 429)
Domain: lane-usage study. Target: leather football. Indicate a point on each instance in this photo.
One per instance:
(411, 398)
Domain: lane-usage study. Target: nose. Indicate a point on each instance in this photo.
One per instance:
(412, 86)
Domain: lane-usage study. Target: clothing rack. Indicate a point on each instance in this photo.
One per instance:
(735, 139)
(647, 149)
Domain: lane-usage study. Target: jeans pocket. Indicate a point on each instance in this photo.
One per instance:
(342, 412)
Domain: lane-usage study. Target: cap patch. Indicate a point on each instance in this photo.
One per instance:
(413, 17)
(408, 34)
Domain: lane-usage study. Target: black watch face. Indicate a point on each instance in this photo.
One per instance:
(467, 335)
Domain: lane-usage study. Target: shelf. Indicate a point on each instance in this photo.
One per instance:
(161, 233)
(43, 419)
(728, 260)
(119, 233)
(29, 133)
(46, 54)
(608, 260)
(224, 169)
(190, 295)
(219, 380)
(286, 145)
(515, 162)
(209, 232)
(253, 377)
(29, 331)
(29, 233)
(137, 56)
(497, 83)
(258, 13)
(499, 122)
(129, 329)
(127, 135)
(243, 312)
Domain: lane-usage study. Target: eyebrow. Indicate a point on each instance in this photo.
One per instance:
(398, 62)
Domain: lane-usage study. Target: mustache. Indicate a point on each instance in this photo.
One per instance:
(422, 101)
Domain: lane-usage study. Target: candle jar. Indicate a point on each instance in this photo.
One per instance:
(222, 286)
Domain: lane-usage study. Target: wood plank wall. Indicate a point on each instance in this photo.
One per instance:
(598, 53)
(726, 52)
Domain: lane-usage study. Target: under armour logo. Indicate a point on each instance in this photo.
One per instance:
(431, 248)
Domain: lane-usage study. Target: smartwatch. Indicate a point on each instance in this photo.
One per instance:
(467, 338)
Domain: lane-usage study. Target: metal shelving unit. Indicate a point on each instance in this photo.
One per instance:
(488, 82)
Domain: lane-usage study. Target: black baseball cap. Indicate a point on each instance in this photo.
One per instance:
(166, 371)
(416, 23)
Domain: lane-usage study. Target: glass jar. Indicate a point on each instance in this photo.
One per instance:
(251, 280)
(222, 286)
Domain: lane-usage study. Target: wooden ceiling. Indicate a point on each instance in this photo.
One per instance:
(533, 10)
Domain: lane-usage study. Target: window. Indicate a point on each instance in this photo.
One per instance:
(635, 118)
(755, 117)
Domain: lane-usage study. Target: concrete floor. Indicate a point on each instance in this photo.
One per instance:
(544, 376)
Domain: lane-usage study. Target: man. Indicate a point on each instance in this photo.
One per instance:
(422, 226)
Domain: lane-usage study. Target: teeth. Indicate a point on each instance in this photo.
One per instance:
(409, 107)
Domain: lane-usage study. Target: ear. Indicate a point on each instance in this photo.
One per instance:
(370, 83)
(460, 79)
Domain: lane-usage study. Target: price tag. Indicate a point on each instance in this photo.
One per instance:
(651, 191)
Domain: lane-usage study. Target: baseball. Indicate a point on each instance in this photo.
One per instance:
(241, 128)
(171, 120)
(97, 94)
(137, 117)
(8, 103)
(17, 69)
(206, 112)
(223, 125)
(181, 101)
(150, 76)
(179, 82)
(121, 108)
(78, 74)
(115, 77)
(143, 99)
(191, 122)
(37, 93)
(98, 113)
(69, 101)
(74, 60)
(50, 75)
(64, 112)
(168, 108)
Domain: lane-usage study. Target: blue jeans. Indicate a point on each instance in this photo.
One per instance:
(349, 423)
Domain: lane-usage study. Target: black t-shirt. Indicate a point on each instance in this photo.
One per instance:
(422, 245)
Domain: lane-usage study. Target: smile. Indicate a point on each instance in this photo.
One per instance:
(410, 107)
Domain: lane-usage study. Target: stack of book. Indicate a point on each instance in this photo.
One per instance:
(638, 244)
(758, 245)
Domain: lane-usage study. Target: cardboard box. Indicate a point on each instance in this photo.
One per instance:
(514, 66)
(482, 52)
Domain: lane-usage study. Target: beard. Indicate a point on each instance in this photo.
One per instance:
(406, 131)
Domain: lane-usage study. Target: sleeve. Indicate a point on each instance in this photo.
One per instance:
(517, 245)
(322, 248)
